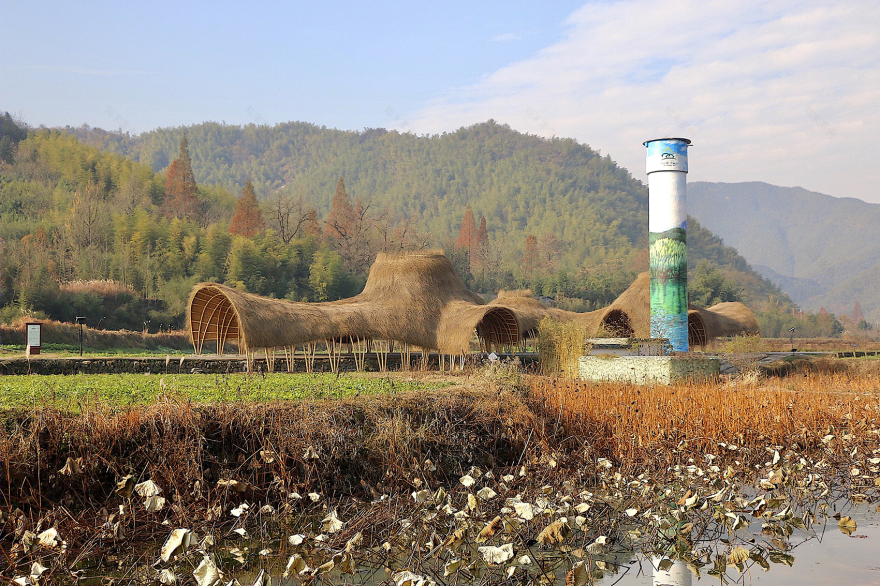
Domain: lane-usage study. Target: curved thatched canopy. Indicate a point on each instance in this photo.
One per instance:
(415, 299)
(630, 315)
(724, 319)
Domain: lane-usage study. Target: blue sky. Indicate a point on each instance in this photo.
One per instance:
(780, 91)
(352, 65)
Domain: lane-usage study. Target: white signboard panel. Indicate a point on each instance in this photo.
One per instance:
(34, 332)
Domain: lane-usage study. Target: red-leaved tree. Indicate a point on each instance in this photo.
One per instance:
(247, 220)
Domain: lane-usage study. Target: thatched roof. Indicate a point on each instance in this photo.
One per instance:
(418, 299)
(630, 315)
(724, 319)
(415, 299)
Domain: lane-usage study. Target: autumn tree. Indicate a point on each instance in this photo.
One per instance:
(341, 217)
(348, 229)
(312, 227)
(480, 251)
(857, 315)
(247, 220)
(181, 191)
(467, 236)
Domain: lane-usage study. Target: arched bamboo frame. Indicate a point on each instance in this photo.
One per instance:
(212, 316)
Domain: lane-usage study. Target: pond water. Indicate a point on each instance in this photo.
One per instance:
(823, 556)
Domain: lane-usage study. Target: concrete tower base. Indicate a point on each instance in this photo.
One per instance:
(662, 370)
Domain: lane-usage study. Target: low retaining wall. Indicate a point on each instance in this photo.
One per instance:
(211, 364)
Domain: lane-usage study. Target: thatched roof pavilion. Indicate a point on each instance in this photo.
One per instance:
(630, 315)
(415, 299)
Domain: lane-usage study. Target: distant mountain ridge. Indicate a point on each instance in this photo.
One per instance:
(823, 251)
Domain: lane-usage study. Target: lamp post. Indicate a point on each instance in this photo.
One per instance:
(80, 319)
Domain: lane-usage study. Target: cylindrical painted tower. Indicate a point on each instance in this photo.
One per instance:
(667, 166)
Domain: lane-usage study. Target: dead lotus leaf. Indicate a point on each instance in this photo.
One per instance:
(242, 532)
(48, 538)
(331, 523)
(598, 546)
(355, 542)
(179, 538)
(524, 510)
(738, 555)
(553, 533)
(486, 493)
(578, 576)
(347, 565)
(125, 486)
(847, 525)
(295, 565)
(472, 502)
(491, 528)
(451, 567)
(407, 578)
(37, 570)
(456, 538)
(235, 485)
(324, 568)
(263, 579)
(167, 576)
(687, 495)
(496, 555)
(147, 488)
(295, 540)
(154, 504)
(467, 480)
(207, 573)
(72, 467)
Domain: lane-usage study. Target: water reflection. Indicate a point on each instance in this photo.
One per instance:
(819, 555)
(823, 555)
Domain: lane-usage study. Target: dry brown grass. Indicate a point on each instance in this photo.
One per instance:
(327, 446)
(653, 427)
(55, 332)
(105, 287)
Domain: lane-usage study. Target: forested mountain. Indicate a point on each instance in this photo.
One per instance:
(522, 184)
(823, 251)
(160, 211)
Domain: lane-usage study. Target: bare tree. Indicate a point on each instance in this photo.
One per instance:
(288, 215)
(85, 217)
(396, 234)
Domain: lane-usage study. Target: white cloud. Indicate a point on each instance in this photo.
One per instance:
(771, 91)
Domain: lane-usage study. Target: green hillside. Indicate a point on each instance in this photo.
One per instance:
(552, 215)
(523, 184)
(823, 251)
